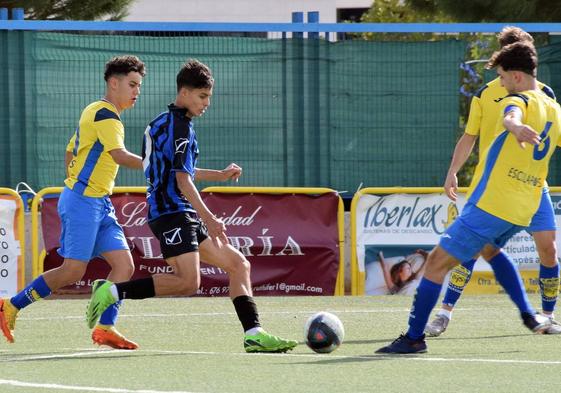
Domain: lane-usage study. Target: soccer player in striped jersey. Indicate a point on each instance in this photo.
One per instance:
(187, 230)
(482, 121)
(89, 224)
(502, 198)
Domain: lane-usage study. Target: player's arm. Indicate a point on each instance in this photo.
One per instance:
(68, 153)
(215, 226)
(421, 270)
(464, 147)
(67, 158)
(512, 121)
(462, 152)
(126, 158)
(387, 276)
(231, 172)
(111, 134)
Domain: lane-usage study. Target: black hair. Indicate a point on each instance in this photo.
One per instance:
(194, 74)
(122, 65)
(519, 56)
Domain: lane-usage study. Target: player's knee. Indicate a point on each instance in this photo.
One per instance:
(489, 253)
(73, 272)
(239, 266)
(126, 269)
(438, 263)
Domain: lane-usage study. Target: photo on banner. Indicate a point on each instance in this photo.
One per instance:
(394, 235)
(393, 228)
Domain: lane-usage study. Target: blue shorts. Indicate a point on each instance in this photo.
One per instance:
(544, 219)
(89, 226)
(474, 229)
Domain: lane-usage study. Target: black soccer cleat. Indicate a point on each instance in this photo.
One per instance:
(403, 344)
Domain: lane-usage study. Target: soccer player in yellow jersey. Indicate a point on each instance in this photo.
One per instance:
(482, 121)
(503, 198)
(89, 224)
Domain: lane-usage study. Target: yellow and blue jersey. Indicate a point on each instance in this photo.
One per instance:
(484, 111)
(92, 170)
(510, 183)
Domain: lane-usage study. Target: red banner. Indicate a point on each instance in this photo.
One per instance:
(290, 240)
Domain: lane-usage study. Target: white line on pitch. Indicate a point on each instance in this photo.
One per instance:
(55, 355)
(58, 387)
(372, 357)
(94, 352)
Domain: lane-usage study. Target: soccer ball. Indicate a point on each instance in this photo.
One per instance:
(323, 332)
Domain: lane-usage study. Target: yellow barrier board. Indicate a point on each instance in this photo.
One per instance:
(400, 221)
(484, 283)
(12, 242)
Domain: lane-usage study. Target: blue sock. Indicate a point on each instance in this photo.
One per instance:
(38, 289)
(109, 316)
(549, 287)
(459, 278)
(508, 276)
(423, 303)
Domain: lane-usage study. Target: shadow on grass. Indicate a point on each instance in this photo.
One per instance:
(448, 338)
(356, 359)
(360, 342)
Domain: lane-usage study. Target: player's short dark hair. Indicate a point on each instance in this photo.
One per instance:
(122, 65)
(195, 75)
(520, 56)
(511, 34)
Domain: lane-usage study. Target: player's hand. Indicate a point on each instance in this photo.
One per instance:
(451, 186)
(524, 134)
(216, 230)
(232, 172)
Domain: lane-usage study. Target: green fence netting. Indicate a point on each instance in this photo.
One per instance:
(291, 112)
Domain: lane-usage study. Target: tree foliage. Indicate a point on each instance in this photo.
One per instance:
(480, 46)
(491, 10)
(70, 9)
(398, 11)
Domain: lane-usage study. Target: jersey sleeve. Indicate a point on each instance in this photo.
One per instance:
(514, 102)
(182, 154)
(547, 90)
(71, 144)
(473, 125)
(111, 134)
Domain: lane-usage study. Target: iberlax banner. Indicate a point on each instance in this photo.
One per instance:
(10, 250)
(395, 231)
(290, 240)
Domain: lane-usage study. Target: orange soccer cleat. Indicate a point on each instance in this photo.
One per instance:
(8, 315)
(112, 338)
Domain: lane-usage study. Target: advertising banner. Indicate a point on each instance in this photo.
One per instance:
(395, 231)
(291, 242)
(10, 250)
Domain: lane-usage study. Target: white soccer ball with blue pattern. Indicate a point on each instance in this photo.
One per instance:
(324, 332)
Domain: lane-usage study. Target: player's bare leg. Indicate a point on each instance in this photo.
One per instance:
(238, 268)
